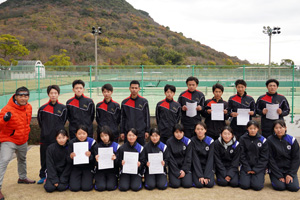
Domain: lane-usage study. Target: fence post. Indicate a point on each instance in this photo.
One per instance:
(3, 87)
(244, 72)
(39, 86)
(293, 90)
(193, 70)
(142, 80)
(90, 81)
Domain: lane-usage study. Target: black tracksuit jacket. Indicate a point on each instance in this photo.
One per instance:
(51, 119)
(180, 155)
(227, 160)
(167, 114)
(203, 156)
(284, 155)
(160, 147)
(254, 153)
(81, 111)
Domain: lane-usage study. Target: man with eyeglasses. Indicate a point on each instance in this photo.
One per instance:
(15, 120)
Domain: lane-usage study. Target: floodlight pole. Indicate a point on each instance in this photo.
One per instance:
(95, 32)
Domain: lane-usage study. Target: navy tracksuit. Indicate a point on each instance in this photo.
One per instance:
(180, 158)
(81, 111)
(106, 179)
(167, 115)
(51, 119)
(227, 159)
(284, 160)
(81, 177)
(214, 128)
(267, 124)
(203, 161)
(58, 169)
(109, 114)
(254, 157)
(234, 103)
(190, 122)
(156, 180)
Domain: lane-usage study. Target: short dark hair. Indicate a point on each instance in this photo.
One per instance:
(55, 87)
(108, 87)
(79, 81)
(217, 86)
(272, 80)
(22, 89)
(192, 78)
(82, 127)
(134, 131)
(201, 124)
(134, 82)
(170, 87)
(178, 127)
(280, 122)
(106, 130)
(252, 122)
(154, 130)
(228, 128)
(62, 132)
(240, 82)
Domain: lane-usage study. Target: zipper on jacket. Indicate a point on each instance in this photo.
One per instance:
(12, 133)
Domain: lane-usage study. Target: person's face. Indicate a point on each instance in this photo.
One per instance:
(200, 131)
(218, 93)
(192, 85)
(155, 138)
(240, 89)
(22, 98)
(81, 135)
(104, 137)
(252, 130)
(169, 94)
(78, 90)
(107, 94)
(226, 136)
(53, 95)
(272, 88)
(134, 89)
(279, 130)
(178, 134)
(61, 139)
(131, 137)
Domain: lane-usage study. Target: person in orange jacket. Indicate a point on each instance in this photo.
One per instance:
(15, 120)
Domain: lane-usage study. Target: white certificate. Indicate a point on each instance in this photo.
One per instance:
(272, 111)
(191, 109)
(155, 166)
(131, 162)
(79, 149)
(104, 160)
(217, 111)
(243, 116)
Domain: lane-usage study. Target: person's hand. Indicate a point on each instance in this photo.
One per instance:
(265, 111)
(184, 108)
(251, 113)
(7, 116)
(279, 111)
(97, 157)
(56, 184)
(72, 155)
(206, 181)
(163, 163)
(113, 157)
(199, 108)
(122, 136)
(88, 153)
(123, 162)
(227, 178)
(182, 174)
(234, 114)
(146, 135)
(201, 180)
(148, 164)
(208, 111)
(225, 112)
(288, 179)
(139, 163)
(282, 180)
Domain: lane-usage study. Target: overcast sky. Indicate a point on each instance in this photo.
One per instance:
(233, 26)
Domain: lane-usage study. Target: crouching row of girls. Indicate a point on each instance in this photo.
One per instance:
(190, 162)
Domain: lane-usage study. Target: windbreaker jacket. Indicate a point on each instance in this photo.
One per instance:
(17, 129)
(160, 147)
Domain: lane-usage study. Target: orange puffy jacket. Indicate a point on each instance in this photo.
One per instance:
(17, 129)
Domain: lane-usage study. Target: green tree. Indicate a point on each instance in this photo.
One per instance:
(10, 49)
(287, 62)
(59, 60)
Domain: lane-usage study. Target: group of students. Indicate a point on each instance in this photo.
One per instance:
(192, 151)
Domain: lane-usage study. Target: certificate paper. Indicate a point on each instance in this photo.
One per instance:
(104, 160)
(191, 109)
(243, 116)
(272, 111)
(155, 166)
(131, 162)
(217, 111)
(79, 149)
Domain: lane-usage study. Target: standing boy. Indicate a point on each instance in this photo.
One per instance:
(271, 97)
(168, 113)
(108, 112)
(135, 114)
(81, 110)
(240, 101)
(52, 117)
(191, 95)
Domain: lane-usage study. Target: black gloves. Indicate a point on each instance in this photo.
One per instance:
(7, 116)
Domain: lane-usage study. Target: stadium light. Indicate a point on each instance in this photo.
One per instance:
(270, 31)
(96, 32)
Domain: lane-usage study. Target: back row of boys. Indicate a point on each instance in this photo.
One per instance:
(134, 112)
